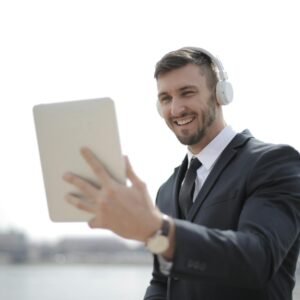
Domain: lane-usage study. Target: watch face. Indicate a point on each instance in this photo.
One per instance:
(158, 244)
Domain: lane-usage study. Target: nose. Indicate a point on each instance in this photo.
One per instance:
(177, 107)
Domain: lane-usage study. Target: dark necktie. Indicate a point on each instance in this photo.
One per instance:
(188, 186)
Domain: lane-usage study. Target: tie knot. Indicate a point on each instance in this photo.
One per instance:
(195, 164)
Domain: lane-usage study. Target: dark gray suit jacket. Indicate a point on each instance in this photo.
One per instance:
(241, 238)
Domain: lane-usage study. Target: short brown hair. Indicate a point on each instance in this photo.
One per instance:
(188, 55)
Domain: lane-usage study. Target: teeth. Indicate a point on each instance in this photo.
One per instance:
(185, 121)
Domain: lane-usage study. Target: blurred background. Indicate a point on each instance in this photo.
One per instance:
(69, 50)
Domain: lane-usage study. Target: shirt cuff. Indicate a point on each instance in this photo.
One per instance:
(164, 265)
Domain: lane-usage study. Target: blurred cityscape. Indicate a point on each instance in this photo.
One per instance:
(16, 247)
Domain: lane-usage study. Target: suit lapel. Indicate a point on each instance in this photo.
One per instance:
(179, 175)
(226, 156)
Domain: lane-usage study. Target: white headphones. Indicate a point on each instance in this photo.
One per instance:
(224, 90)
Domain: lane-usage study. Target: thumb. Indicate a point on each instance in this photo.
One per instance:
(135, 180)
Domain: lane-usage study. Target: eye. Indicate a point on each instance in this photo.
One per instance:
(165, 99)
(188, 93)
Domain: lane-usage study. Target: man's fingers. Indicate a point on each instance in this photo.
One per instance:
(84, 186)
(80, 203)
(97, 167)
(94, 223)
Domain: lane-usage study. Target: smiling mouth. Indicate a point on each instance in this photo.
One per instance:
(184, 121)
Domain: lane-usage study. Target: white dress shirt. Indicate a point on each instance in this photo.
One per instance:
(208, 157)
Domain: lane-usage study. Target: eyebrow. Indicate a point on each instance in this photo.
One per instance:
(186, 87)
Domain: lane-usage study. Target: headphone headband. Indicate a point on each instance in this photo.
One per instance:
(224, 90)
(216, 61)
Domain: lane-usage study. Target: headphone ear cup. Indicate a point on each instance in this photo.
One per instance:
(224, 92)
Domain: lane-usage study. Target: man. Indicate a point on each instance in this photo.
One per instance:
(226, 224)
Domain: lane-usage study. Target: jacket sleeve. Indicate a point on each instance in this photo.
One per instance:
(267, 230)
(157, 290)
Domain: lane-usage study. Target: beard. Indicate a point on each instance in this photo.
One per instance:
(208, 117)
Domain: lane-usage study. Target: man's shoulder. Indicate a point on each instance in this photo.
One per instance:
(259, 156)
(171, 180)
(168, 185)
(257, 146)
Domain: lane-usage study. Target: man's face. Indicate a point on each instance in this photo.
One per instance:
(187, 104)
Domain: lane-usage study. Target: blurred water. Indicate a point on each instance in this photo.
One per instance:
(70, 282)
(78, 282)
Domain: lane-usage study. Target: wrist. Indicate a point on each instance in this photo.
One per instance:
(158, 242)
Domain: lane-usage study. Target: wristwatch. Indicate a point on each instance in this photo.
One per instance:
(159, 242)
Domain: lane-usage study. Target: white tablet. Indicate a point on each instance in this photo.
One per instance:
(62, 129)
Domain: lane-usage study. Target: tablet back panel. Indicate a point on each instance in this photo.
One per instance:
(62, 129)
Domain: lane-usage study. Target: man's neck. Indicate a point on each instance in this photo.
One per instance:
(209, 136)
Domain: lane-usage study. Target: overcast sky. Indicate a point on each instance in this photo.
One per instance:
(62, 50)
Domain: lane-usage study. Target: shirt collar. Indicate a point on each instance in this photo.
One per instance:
(209, 155)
